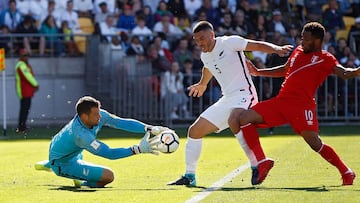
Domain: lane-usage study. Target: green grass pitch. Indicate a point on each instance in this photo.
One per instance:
(299, 174)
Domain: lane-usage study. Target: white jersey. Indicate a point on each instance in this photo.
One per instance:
(227, 64)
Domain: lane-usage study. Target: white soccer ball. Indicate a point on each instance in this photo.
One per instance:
(169, 141)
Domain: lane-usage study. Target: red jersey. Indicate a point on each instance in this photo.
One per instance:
(306, 73)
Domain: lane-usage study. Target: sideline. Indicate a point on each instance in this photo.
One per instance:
(217, 185)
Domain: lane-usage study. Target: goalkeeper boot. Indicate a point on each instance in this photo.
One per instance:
(188, 179)
(348, 177)
(261, 171)
(78, 183)
(43, 166)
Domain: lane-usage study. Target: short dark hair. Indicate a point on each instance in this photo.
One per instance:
(316, 30)
(85, 104)
(202, 25)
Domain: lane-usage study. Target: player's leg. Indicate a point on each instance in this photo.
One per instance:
(200, 128)
(248, 137)
(329, 154)
(85, 173)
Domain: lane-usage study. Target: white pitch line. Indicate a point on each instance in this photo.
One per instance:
(217, 185)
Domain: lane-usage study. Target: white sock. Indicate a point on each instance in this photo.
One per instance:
(192, 154)
(249, 153)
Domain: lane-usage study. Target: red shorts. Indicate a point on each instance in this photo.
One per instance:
(279, 111)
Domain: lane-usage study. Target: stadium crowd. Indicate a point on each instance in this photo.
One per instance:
(160, 30)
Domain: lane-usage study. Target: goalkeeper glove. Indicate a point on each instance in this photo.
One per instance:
(146, 145)
(155, 130)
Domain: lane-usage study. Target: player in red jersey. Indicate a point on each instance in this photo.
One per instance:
(306, 69)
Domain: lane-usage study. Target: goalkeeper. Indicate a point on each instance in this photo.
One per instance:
(65, 153)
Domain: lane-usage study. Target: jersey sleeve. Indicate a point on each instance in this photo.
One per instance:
(88, 142)
(127, 124)
(236, 43)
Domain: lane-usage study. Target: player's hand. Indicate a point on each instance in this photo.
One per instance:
(156, 130)
(251, 67)
(146, 145)
(285, 50)
(196, 90)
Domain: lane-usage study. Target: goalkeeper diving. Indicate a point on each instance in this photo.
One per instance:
(66, 147)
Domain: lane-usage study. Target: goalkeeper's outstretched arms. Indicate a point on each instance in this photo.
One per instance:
(146, 145)
(128, 124)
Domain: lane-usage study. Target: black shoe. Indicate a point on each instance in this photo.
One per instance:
(21, 131)
(185, 180)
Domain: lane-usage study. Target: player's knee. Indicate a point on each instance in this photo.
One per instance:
(234, 124)
(195, 133)
(108, 176)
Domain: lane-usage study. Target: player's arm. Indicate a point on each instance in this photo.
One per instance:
(129, 124)
(277, 71)
(267, 47)
(198, 89)
(346, 73)
(99, 148)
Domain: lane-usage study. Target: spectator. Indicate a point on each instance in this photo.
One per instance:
(166, 26)
(189, 76)
(173, 92)
(182, 53)
(332, 18)
(27, 26)
(126, 20)
(136, 48)
(212, 14)
(314, 9)
(340, 47)
(68, 40)
(152, 4)
(71, 17)
(60, 5)
(328, 41)
(109, 3)
(177, 8)
(277, 24)
(250, 13)
(48, 27)
(161, 10)
(107, 30)
(11, 16)
(183, 22)
(227, 26)
(5, 40)
(162, 49)
(201, 16)
(149, 16)
(141, 30)
(26, 86)
(104, 12)
(33, 8)
(51, 10)
(84, 8)
(265, 10)
(191, 6)
(293, 35)
(223, 8)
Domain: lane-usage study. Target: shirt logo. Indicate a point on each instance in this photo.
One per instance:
(314, 59)
(95, 144)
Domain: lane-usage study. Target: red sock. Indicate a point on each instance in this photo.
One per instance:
(330, 155)
(251, 137)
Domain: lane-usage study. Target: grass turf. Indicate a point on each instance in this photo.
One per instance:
(299, 175)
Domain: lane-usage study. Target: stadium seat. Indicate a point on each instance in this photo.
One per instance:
(342, 34)
(348, 21)
(86, 25)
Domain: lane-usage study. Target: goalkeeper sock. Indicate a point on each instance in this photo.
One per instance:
(192, 154)
(248, 137)
(329, 154)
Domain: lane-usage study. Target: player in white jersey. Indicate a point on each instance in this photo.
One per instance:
(224, 59)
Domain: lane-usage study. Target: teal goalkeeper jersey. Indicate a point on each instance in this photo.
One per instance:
(75, 137)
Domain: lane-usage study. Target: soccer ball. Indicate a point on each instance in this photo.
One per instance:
(169, 141)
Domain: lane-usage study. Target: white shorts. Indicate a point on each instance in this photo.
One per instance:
(219, 112)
